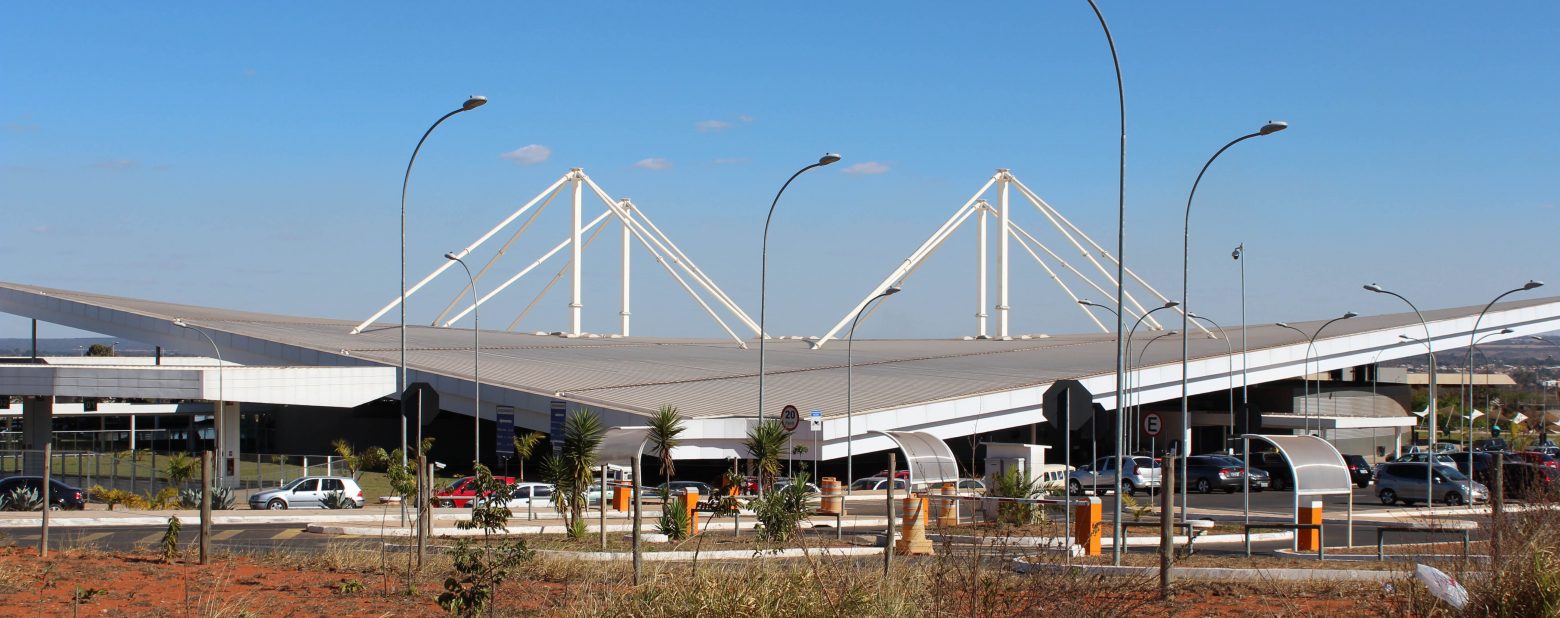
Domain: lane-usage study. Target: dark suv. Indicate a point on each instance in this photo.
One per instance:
(1359, 470)
(61, 496)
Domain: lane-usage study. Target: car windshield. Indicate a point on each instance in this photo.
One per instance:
(1450, 473)
(294, 484)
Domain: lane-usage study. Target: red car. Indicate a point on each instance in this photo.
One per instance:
(460, 493)
(1539, 458)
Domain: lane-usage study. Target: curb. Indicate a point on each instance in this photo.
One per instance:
(559, 528)
(1218, 573)
(1140, 541)
(727, 554)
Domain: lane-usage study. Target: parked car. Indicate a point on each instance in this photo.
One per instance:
(528, 494)
(1478, 465)
(1277, 468)
(1547, 449)
(974, 486)
(1440, 447)
(61, 496)
(1490, 445)
(1422, 457)
(307, 492)
(875, 483)
(782, 483)
(1540, 458)
(1205, 473)
(1260, 479)
(1525, 481)
(678, 488)
(459, 493)
(1405, 482)
(1137, 472)
(1359, 470)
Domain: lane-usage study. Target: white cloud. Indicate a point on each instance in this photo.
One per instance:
(249, 72)
(745, 118)
(117, 164)
(528, 155)
(866, 168)
(711, 126)
(40, 229)
(654, 163)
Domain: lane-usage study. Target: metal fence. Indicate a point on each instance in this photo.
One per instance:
(147, 472)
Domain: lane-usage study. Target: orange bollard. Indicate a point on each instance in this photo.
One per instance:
(622, 497)
(1086, 526)
(832, 503)
(948, 507)
(914, 541)
(690, 502)
(1309, 540)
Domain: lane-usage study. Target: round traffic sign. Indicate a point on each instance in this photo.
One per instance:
(790, 418)
(1152, 424)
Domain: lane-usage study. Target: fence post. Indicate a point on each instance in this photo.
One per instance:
(43, 537)
(205, 505)
(1166, 516)
(888, 543)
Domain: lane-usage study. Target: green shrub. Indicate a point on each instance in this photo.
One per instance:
(221, 498)
(1015, 484)
(21, 499)
(781, 512)
(674, 522)
(170, 539)
(338, 500)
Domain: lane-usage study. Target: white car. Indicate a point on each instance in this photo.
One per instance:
(526, 494)
(875, 483)
(306, 493)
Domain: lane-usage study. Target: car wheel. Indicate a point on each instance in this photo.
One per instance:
(1203, 486)
(276, 504)
(1278, 484)
(1363, 484)
(1388, 497)
(1453, 498)
(1127, 488)
(1074, 488)
(56, 507)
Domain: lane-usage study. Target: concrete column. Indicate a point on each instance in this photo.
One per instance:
(228, 452)
(37, 431)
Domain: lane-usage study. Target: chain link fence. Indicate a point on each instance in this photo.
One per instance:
(147, 472)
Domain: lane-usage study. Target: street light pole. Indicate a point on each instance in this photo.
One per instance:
(850, 429)
(1093, 422)
(1186, 236)
(476, 379)
(1239, 254)
(1136, 397)
(1468, 382)
(763, 282)
(1230, 349)
(1430, 351)
(400, 381)
(1121, 430)
(216, 419)
(1305, 369)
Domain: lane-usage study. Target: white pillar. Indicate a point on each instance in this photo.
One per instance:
(576, 303)
(628, 209)
(1002, 255)
(980, 272)
(132, 433)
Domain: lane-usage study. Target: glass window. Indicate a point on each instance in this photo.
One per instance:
(293, 484)
(541, 492)
(1450, 473)
(333, 485)
(307, 485)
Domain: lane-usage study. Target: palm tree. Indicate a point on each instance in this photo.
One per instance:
(524, 445)
(665, 427)
(765, 443)
(582, 436)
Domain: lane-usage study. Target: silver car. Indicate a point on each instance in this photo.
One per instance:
(307, 492)
(1405, 482)
(1138, 472)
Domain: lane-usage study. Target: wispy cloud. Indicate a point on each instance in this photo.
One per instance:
(711, 126)
(866, 168)
(745, 118)
(40, 229)
(528, 155)
(731, 160)
(249, 72)
(117, 164)
(654, 163)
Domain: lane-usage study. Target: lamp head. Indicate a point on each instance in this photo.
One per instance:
(474, 102)
(1406, 337)
(1375, 288)
(1169, 304)
(1283, 324)
(1349, 314)
(451, 256)
(828, 158)
(1273, 126)
(1532, 284)
(892, 291)
(179, 322)
(1505, 331)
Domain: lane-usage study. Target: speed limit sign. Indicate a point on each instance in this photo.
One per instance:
(790, 418)
(1152, 424)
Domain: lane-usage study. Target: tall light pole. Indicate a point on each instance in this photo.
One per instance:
(1430, 351)
(400, 382)
(1121, 409)
(1121, 252)
(217, 423)
(1468, 383)
(1121, 430)
(476, 379)
(763, 278)
(1137, 400)
(1305, 368)
(1238, 255)
(1230, 348)
(850, 429)
(1186, 237)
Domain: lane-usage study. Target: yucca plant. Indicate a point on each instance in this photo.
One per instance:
(765, 444)
(674, 523)
(666, 427)
(338, 500)
(570, 470)
(21, 499)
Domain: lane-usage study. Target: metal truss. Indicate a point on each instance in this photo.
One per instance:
(634, 225)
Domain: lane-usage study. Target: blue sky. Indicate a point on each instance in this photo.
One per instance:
(250, 156)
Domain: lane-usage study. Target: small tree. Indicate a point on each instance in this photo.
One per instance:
(765, 443)
(665, 428)
(100, 349)
(344, 452)
(570, 470)
(482, 572)
(525, 444)
(782, 511)
(181, 468)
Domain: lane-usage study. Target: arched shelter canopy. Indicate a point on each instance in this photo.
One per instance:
(927, 457)
(623, 444)
(1315, 465)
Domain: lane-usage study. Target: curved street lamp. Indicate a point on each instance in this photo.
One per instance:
(1121, 410)
(1230, 349)
(1305, 369)
(471, 103)
(1429, 351)
(850, 431)
(1137, 403)
(476, 379)
(763, 280)
(1468, 383)
(1270, 128)
(217, 423)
